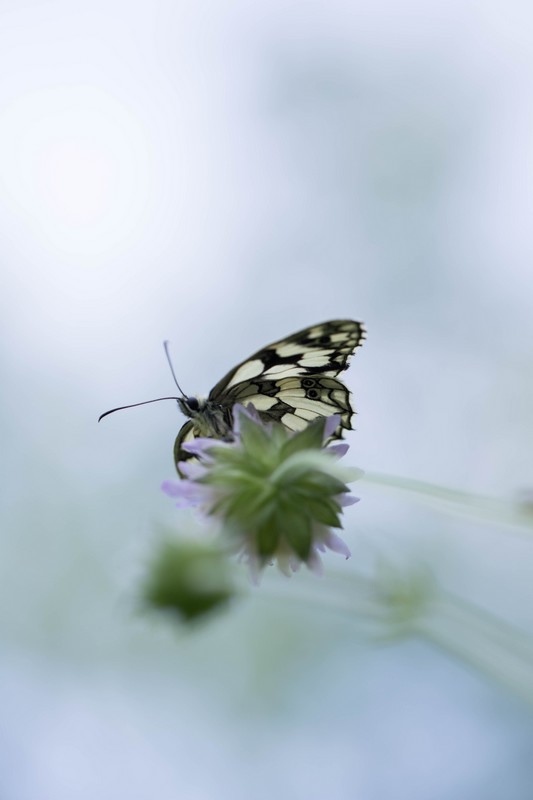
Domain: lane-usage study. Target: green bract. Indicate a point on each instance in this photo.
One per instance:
(279, 491)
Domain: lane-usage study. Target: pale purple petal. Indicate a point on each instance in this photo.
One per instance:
(191, 469)
(346, 500)
(192, 494)
(332, 423)
(314, 564)
(185, 503)
(187, 493)
(171, 488)
(337, 544)
(338, 450)
(249, 411)
(201, 445)
(253, 564)
(284, 567)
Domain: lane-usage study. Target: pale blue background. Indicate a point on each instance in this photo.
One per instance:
(222, 174)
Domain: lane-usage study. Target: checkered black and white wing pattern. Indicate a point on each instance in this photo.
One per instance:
(295, 380)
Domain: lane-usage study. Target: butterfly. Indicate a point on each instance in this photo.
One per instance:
(292, 381)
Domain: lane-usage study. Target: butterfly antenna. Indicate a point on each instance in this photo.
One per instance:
(165, 345)
(121, 408)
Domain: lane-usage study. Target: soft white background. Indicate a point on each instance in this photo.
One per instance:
(222, 174)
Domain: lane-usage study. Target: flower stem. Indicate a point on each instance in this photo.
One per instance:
(493, 646)
(458, 502)
(472, 635)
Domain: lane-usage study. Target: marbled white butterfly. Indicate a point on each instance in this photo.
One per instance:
(292, 381)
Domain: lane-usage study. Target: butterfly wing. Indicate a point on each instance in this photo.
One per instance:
(296, 401)
(294, 380)
(186, 434)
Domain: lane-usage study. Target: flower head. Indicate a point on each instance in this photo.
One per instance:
(277, 494)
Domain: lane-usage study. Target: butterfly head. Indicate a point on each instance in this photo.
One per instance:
(191, 406)
(208, 418)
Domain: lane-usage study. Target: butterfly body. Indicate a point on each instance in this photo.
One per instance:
(207, 417)
(291, 381)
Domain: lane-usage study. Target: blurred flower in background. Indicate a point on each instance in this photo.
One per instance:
(190, 577)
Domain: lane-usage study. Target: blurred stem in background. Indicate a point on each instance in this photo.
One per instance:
(397, 603)
(487, 509)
